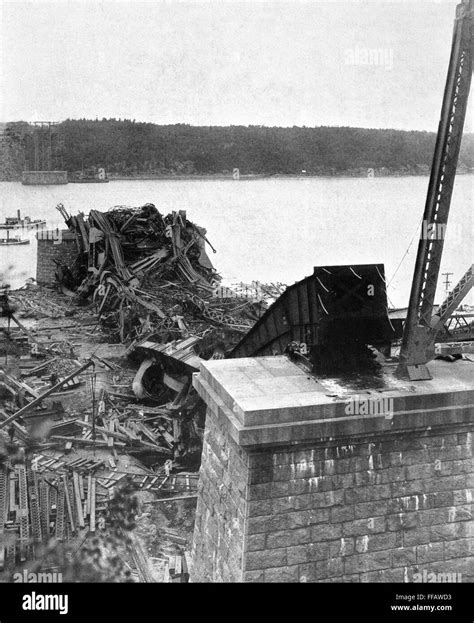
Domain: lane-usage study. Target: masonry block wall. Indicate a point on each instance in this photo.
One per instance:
(221, 509)
(372, 505)
(356, 511)
(50, 249)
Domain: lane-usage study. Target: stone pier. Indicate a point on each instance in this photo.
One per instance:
(311, 480)
(55, 245)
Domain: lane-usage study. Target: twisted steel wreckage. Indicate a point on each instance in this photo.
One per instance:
(154, 289)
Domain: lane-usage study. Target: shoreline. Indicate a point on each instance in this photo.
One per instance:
(253, 177)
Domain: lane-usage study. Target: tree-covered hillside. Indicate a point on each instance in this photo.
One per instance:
(129, 148)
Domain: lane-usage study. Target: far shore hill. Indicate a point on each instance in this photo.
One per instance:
(127, 149)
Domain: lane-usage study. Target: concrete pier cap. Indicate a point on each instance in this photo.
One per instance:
(323, 479)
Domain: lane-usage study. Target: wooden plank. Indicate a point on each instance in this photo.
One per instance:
(114, 479)
(176, 538)
(141, 427)
(150, 484)
(74, 462)
(171, 499)
(3, 507)
(138, 556)
(163, 481)
(48, 463)
(87, 442)
(127, 432)
(7, 500)
(166, 436)
(20, 385)
(89, 491)
(77, 494)
(105, 431)
(81, 487)
(92, 506)
(68, 503)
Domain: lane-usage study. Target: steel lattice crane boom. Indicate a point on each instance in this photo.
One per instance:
(416, 349)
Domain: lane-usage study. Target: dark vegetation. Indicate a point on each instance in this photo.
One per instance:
(129, 148)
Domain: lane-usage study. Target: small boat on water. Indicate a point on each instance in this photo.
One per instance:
(92, 175)
(16, 222)
(13, 240)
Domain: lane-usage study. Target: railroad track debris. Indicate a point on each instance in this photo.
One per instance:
(39, 506)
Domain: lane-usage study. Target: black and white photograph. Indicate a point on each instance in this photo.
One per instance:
(237, 318)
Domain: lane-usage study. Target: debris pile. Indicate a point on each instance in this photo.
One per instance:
(68, 421)
(61, 464)
(149, 275)
(96, 381)
(155, 289)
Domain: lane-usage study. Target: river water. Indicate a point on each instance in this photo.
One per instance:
(273, 229)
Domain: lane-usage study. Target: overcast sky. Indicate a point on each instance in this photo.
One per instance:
(378, 63)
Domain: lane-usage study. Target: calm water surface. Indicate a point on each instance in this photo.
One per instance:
(272, 229)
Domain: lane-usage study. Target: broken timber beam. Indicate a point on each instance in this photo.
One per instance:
(24, 329)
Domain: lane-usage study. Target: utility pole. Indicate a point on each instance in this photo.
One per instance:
(447, 283)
